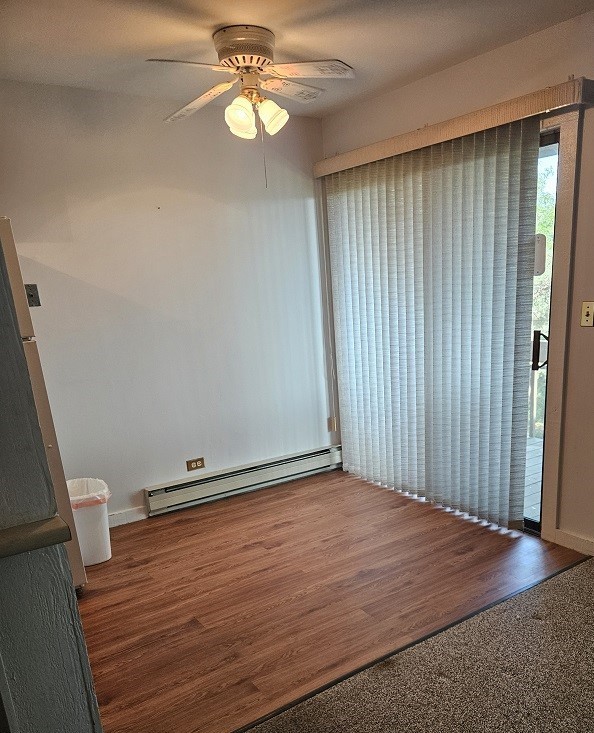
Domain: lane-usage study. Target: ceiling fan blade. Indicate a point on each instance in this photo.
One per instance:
(325, 69)
(200, 101)
(212, 67)
(291, 89)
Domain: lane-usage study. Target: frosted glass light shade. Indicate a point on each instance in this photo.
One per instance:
(246, 134)
(239, 115)
(273, 116)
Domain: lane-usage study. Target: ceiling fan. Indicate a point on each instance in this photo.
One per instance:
(247, 52)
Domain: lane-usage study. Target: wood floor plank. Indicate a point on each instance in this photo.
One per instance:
(207, 619)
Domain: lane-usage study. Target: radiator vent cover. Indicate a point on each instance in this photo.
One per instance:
(221, 484)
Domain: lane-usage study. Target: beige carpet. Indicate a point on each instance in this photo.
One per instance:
(525, 665)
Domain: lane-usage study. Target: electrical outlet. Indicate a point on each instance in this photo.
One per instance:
(194, 463)
(587, 313)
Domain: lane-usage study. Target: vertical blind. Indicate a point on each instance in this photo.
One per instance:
(432, 259)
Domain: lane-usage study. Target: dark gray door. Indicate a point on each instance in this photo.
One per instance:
(45, 679)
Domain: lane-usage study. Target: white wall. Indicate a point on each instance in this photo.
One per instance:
(543, 59)
(181, 312)
(576, 516)
(537, 61)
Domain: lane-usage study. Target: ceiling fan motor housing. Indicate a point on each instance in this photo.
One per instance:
(239, 46)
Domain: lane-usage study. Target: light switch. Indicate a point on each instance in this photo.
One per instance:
(32, 295)
(587, 313)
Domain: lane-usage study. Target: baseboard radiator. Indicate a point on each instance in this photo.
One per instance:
(221, 484)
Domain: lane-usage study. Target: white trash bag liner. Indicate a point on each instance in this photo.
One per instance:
(87, 492)
(88, 498)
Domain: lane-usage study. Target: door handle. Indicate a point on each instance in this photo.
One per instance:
(536, 336)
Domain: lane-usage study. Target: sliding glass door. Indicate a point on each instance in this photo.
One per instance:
(432, 258)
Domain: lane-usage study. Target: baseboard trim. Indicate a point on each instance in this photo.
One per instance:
(127, 516)
(585, 545)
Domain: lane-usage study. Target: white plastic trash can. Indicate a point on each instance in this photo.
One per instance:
(88, 498)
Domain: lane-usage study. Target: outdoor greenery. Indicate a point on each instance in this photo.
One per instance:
(545, 224)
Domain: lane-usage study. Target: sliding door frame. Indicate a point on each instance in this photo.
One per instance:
(333, 424)
(569, 126)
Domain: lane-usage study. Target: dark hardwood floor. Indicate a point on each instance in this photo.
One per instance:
(209, 618)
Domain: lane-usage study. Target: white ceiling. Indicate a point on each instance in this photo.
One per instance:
(103, 44)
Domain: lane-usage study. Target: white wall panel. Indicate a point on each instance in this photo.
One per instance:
(181, 312)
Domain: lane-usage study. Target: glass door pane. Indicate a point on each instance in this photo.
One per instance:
(543, 270)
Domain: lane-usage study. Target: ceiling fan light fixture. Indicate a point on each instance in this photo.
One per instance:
(239, 115)
(247, 52)
(273, 116)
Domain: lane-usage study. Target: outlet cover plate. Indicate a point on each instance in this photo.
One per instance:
(587, 313)
(194, 464)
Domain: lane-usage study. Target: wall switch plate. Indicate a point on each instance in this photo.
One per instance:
(194, 463)
(32, 292)
(587, 313)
